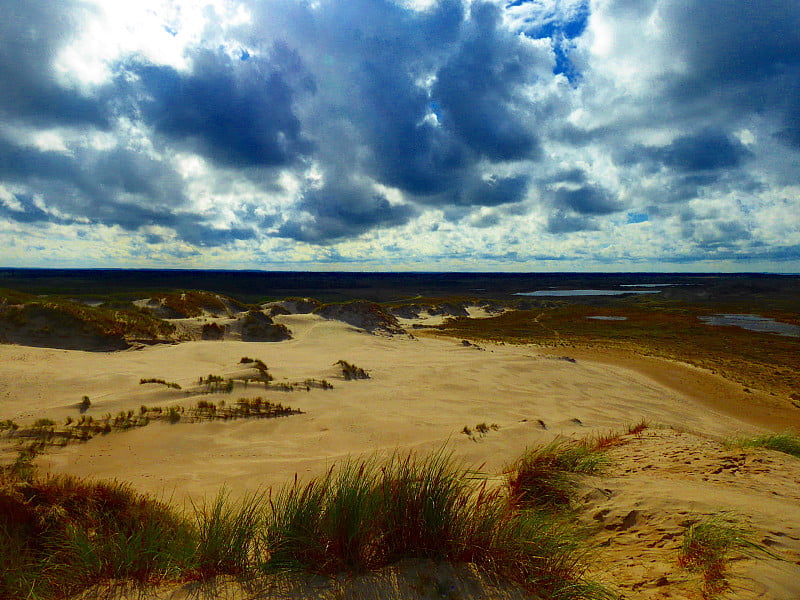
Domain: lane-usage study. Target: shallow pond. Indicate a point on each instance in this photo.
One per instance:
(753, 323)
(605, 318)
(585, 292)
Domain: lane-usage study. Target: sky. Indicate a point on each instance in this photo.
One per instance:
(401, 135)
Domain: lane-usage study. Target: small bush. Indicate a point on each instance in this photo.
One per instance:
(173, 415)
(637, 428)
(9, 425)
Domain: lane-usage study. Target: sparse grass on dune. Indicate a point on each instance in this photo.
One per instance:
(787, 442)
(546, 476)
(62, 536)
(708, 547)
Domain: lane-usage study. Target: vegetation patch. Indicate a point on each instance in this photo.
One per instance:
(46, 433)
(547, 476)
(351, 371)
(63, 536)
(169, 384)
(787, 442)
(480, 430)
(709, 546)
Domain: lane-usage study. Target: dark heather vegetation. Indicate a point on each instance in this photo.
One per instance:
(258, 327)
(61, 536)
(653, 326)
(60, 323)
(195, 304)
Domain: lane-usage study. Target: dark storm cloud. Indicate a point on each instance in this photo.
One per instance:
(343, 209)
(28, 212)
(31, 34)
(572, 201)
(233, 111)
(743, 56)
(707, 150)
(84, 183)
(420, 101)
(563, 222)
(495, 191)
(477, 89)
(116, 187)
(586, 200)
(405, 150)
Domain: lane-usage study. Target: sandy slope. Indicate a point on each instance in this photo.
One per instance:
(422, 392)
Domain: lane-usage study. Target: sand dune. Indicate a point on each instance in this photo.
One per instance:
(421, 393)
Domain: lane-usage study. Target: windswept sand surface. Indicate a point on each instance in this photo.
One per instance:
(421, 394)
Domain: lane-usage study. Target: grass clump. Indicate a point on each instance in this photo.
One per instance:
(63, 536)
(546, 476)
(228, 533)
(365, 515)
(709, 545)
(350, 371)
(787, 442)
(169, 384)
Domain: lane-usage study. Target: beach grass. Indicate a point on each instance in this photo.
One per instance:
(708, 547)
(60, 536)
(547, 476)
(787, 442)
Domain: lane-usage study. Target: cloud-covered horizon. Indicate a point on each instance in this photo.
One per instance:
(401, 135)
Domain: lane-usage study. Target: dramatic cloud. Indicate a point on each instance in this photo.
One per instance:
(237, 112)
(585, 134)
(31, 35)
